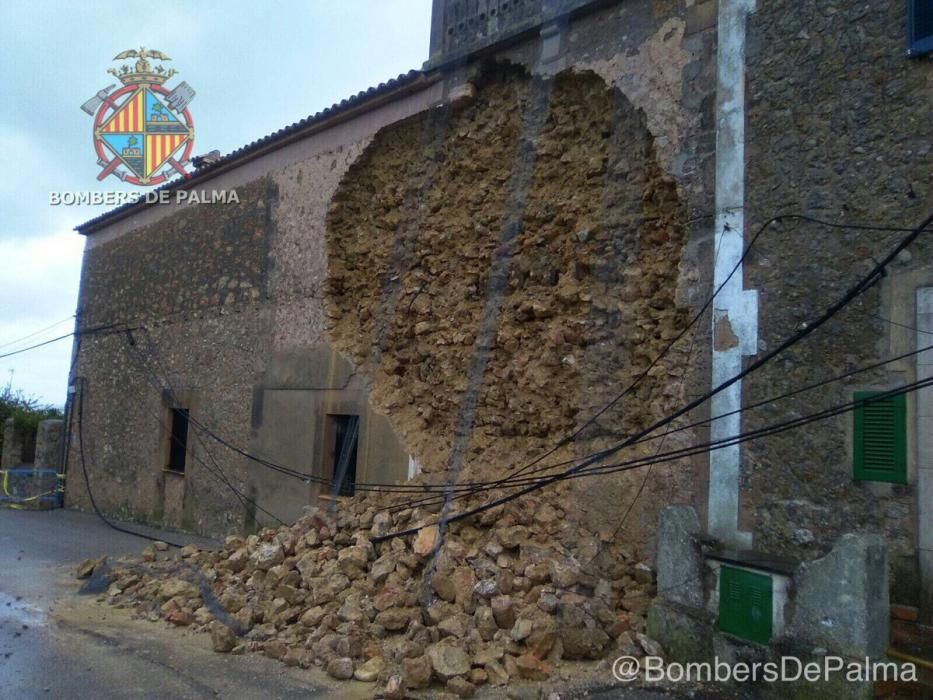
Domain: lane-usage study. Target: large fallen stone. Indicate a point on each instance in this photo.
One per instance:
(177, 588)
(532, 668)
(369, 671)
(86, 568)
(267, 555)
(223, 639)
(394, 619)
(426, 540)
(448, 660)
(583, 642)
(461, 687)
(417, 672)
(340, 668)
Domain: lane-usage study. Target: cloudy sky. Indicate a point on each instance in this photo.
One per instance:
(256, 67)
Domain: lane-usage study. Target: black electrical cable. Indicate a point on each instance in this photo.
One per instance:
(216, 471)
(35, 333)
(473, 486)
(856, 290)
(433, 500)
(87, 481)
(570, 438)
(759, 433)
(87, 331)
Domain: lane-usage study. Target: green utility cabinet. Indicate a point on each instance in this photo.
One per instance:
(746, 604)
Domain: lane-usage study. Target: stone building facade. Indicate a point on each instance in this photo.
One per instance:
(466, 264)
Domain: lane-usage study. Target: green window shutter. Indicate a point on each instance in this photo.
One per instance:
(745, 604)
(880, 433)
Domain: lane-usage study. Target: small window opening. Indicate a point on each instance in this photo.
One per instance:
(345, 430)
(178, 449)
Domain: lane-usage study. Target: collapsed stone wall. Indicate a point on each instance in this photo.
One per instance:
(506, 601)
(415, 232)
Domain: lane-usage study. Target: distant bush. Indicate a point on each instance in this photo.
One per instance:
(26, 411)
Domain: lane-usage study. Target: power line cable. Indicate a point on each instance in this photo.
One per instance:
(758, 433)
(216, 470)
(699, 314)
(432, 500)
(88, 331)
(35, 333)
(867, 281)
(767, 431)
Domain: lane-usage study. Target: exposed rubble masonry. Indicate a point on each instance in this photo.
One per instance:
(589, 297)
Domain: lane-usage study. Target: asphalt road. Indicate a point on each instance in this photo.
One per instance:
(56, 644)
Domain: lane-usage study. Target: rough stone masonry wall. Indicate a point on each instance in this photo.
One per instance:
(196, 283)
(591, 292)
(839, 128)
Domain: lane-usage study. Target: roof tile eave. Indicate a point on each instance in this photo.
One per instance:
(97, 222)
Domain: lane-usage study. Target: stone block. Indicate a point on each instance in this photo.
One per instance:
(680, 562)
(685, 634)
(842, 601)
(49, 444)
(14, 446)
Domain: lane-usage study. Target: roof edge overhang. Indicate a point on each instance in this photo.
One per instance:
(413, 81)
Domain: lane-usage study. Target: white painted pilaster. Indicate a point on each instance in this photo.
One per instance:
(924, 432)
(735, 310)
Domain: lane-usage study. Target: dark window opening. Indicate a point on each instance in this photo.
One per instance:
(346, 430)
(919, 27)
(178, 447)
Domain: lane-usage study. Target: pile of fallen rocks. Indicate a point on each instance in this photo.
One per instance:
(508, 596)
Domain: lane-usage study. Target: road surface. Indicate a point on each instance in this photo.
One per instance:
(55, 644)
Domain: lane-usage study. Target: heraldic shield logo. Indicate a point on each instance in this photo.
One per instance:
(143, 133)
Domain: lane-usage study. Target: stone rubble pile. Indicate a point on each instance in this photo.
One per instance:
(505, 597)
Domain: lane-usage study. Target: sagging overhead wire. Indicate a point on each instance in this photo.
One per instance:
(87, 331)
(35, 333)
(470, 488)
(866, 282)
(466, 488)
(694, 320)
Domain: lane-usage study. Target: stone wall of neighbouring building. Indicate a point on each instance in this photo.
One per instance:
(838, 128)
(194, 286)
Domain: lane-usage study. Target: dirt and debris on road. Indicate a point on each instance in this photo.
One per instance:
(508, 599)
(56, 644)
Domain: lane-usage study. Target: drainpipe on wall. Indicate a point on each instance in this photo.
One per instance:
(735, 309)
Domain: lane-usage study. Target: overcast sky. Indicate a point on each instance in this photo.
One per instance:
(256, 67)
